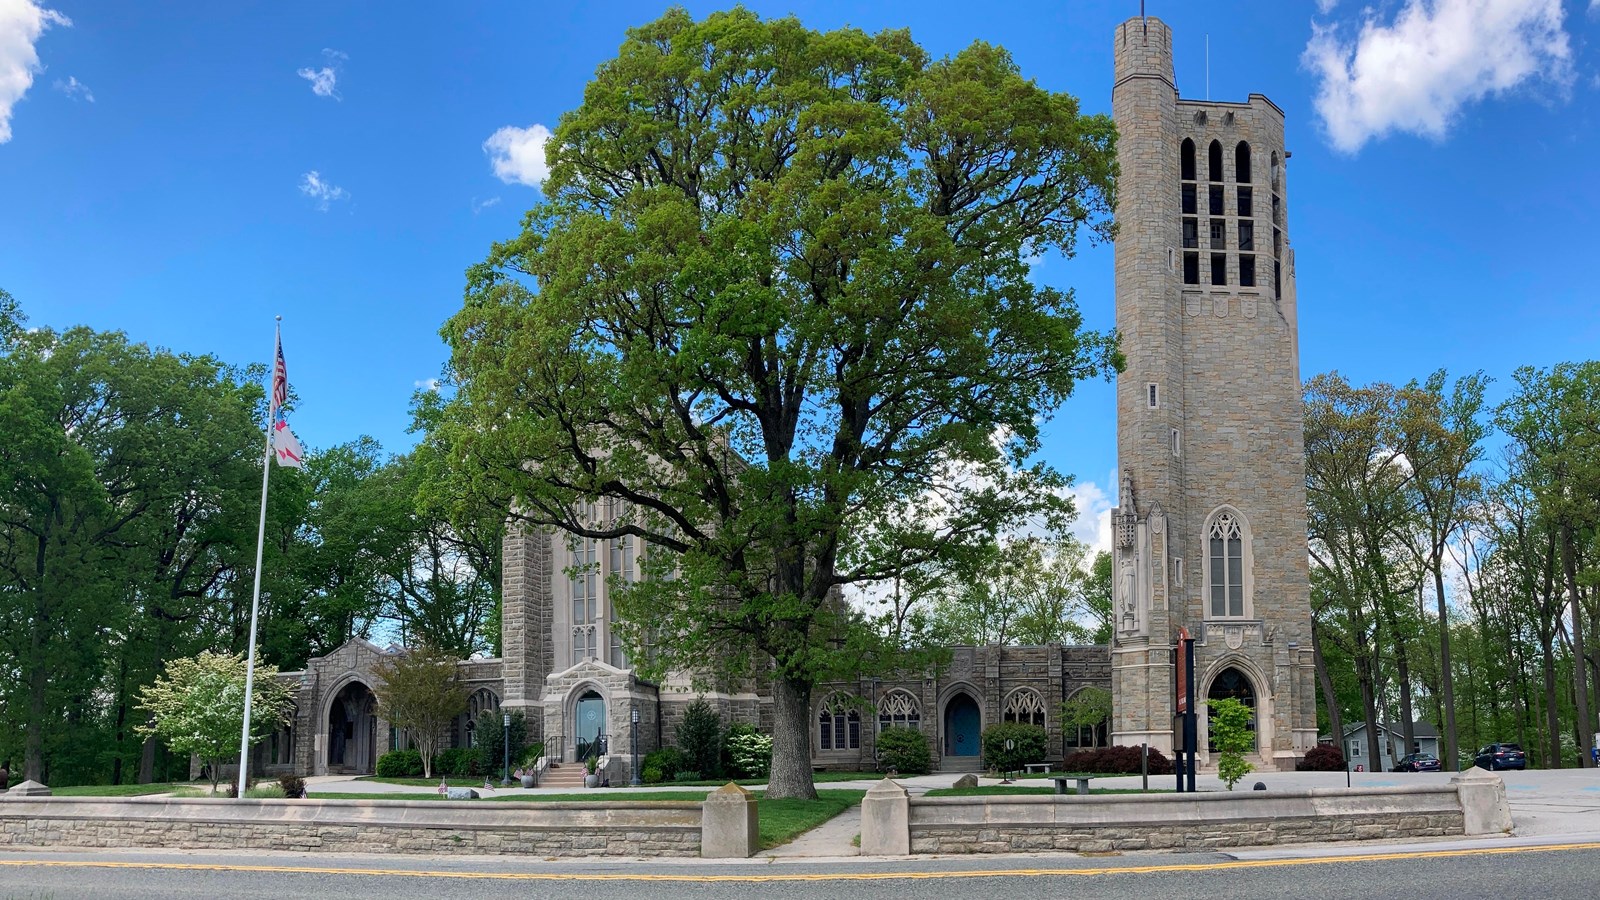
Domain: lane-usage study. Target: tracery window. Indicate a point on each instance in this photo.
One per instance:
(1024, 706)
(584, 581)
(1225, 563)
(899, 709)
(838, 724)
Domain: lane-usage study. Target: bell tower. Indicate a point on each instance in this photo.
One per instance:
(1210, 528)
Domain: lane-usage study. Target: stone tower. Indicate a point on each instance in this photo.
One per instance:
(1211, 524)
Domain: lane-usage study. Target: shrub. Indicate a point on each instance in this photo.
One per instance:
(1116, 761)
(651, 775)
(458, 762)
(1230, 732)
(532, 754)
(400, 764)
(1322, 758)
(1028, 745)
(905, 750)
(688, 775)
(668, 761)
(700, 738)
(489, 734)
(293, 786)
(747, 751)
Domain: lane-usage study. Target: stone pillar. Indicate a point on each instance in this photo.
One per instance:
(526, 612)
(1483, 802)
(886, 820)
(730, 826)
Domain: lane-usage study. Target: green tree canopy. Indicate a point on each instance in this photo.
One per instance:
(197, 706)
(421, 691)
(777, 306)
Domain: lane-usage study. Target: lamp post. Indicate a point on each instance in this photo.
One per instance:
(634, 717)
(505, 745)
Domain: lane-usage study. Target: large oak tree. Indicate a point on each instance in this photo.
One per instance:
(774, 319)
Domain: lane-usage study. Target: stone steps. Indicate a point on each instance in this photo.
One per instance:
(563, 776)
(961, 764)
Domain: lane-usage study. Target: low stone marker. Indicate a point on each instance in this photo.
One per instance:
(886, 820)
(966, 781)
(730, 826)
(1483, 801)
(29, 789)
(458, 793)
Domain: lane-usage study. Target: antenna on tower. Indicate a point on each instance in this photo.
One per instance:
(1208, 66)
(1142, 20)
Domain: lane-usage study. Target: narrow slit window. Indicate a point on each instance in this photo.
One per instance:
(1277, 211)
(1244, 203)
(1187, 157)
(1247, 271)
(1177, 445)
(1247, 236)
(1191, 233)
(1215, 155)
(1219, 234)
(1177, 571)
(1191, 268)
(1171, 261)
(1277, 239)
(1219, 268)
(1241, 163)
(1189, 201)
(1216, 200)
(1277, 277)
(1153, 395)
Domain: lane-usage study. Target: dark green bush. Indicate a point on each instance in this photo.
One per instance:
(399, 764)
(700, 738)
(905, 750)
(668, 762)
(489, 734)
(687, 775)
(649, 775)
(457, 762)
(294, 787)
(1028, 746)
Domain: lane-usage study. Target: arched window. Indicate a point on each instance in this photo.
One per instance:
(1024, 706)
(1232, 684)
(1216, 160)
(1274, 170)
(1228, 565)
(482, 700)
(838, 724)
(1187, 160)
(1241, 163)
(899, 709)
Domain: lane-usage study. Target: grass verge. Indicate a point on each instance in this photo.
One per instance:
(818, 777)
(115, 790)
(1004, 789)
(784, 820)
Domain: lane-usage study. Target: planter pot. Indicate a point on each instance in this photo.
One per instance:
(528, 781)
(591, 781)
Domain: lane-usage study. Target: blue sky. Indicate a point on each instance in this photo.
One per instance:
(184, 171)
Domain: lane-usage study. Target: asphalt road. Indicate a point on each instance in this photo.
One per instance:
(1411, 873)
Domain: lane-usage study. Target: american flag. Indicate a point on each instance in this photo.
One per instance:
(280, 380)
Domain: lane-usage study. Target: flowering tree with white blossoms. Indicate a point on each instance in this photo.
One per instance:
(197, 707)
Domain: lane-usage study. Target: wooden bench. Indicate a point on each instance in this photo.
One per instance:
(1061, 783)
(1036, 768)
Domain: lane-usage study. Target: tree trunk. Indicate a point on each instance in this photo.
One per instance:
(147, 761)
(1446, 682)
(1580, 680)
(1551, 720)
(1369, 709)
(1329, 698)
(791, 741)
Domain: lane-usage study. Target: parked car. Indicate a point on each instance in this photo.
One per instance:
(1501, 756)
(1418, 762)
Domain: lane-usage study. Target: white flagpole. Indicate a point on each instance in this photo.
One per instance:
(261, 540)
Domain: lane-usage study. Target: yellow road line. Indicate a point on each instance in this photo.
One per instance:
(819, 876)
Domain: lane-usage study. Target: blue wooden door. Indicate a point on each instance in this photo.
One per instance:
(961, 725)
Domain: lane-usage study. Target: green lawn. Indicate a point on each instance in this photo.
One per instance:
(819, 778)
(1003, 789)
(116, 790)
(784, 820)
(519, 797)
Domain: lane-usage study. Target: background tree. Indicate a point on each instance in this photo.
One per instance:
(197, 707)
(421, 691)
(1087, 708)
(776, 305)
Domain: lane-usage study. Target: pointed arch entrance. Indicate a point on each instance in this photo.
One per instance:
(589, 724)
(352, 724)
(1232, 684)
(962, 723)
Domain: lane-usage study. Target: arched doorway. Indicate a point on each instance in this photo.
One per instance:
(1232, 684)
(353, 730)
(589, 720)
(962, 722)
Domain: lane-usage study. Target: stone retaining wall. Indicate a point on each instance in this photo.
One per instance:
(894, 823)
(356, 826)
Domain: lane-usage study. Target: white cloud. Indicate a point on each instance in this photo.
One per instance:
(1326, 6)
(21, 24)
(431, 384)
(74, 88)
(517, 154)
(1093, 524)
(324, 81)
(325, 193)
(1416, 73)
(478, 207)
